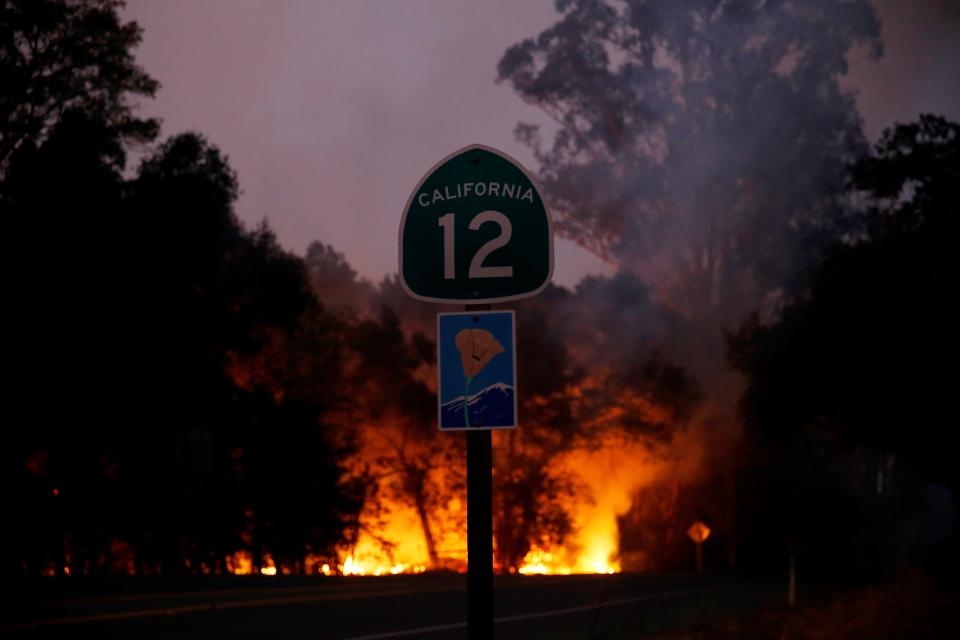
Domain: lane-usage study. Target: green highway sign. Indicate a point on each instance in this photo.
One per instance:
(476, 230)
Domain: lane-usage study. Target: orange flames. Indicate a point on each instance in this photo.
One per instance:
(611, 471)
(392, 539)
(416, 519)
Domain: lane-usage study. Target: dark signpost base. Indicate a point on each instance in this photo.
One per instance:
(479, 535)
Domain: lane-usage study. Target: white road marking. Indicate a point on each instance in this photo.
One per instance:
(211, 606)
(413, 632)
(544, 614)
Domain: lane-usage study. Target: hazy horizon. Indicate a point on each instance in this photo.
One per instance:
(354, 101)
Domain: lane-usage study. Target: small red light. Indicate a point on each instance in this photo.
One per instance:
(56, 492)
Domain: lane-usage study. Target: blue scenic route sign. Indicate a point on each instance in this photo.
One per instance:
(477, 370)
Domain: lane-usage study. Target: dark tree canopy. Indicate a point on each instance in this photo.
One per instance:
(859, 373)
(193, 369)
(869, 350)
(335, 281)
(63, 55)
(698, 143)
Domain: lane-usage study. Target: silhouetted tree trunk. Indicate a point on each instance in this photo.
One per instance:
(415, 479)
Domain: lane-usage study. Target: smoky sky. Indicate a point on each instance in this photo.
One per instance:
(331, 111)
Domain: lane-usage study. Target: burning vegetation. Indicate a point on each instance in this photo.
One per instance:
(339, 468)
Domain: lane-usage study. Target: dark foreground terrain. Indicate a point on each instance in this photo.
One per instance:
(425, 606)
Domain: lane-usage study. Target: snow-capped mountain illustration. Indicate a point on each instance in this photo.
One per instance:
(491, 407)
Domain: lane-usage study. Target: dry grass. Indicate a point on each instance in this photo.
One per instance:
(910, 607)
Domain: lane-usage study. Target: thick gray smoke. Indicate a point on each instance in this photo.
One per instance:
(700, 145)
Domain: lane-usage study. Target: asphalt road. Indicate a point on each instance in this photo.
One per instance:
(431, 607)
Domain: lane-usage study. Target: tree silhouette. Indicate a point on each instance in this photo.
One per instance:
(864, 357)
(870, 344)
(60, 202)
(588, 367)
(176, 372)
(62, 55)
(233, 310)
(531, 495)
(701, 148)
(336, 283)
(698, 144)
(188, 360)
(394, 414)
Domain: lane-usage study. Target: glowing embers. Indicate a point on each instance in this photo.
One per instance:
(351, 567)
(240, 563)
(268, 568)
(598, 560)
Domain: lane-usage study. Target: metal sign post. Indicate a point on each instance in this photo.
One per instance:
(476, 230)
(479, 528)
(479, 535)
(476, 393)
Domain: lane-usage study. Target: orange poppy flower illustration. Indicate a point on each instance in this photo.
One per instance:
(477, 347)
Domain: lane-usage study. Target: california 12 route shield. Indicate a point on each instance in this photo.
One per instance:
(476, 230)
